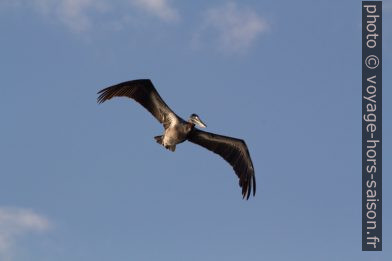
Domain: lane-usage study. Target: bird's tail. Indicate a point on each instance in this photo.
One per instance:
(171, 148)
(159, 139)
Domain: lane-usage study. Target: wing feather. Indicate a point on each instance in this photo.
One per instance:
(234, 151)
(144, 92)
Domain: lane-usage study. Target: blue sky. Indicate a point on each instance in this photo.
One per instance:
(81, 181)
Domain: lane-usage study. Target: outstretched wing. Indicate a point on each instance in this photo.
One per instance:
(234, 151)
(144, 92)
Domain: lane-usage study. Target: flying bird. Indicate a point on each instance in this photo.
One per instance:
(177, 130)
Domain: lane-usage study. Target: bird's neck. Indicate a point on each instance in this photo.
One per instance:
(191, 125)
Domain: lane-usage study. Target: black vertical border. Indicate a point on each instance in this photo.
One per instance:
(371, 236)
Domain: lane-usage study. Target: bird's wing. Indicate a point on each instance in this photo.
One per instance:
(144, 92)
(234, 151)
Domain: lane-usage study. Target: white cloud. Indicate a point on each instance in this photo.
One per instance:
(74, 13)
(234, 28)
(81, 15)
(160, 8)
(14, 223)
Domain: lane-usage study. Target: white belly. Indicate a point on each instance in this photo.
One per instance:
(173, 136)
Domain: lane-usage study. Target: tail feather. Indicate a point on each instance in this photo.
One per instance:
(159, 139)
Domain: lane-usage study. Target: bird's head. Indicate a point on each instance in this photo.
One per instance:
(194, 119)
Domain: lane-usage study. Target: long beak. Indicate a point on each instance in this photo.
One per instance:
(200, 123)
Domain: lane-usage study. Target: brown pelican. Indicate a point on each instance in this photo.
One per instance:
(177, 130)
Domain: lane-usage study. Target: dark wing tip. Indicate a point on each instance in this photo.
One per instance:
(103, 95)
(248, 184)
(254, 185)
(118, 89)
(245, 172)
